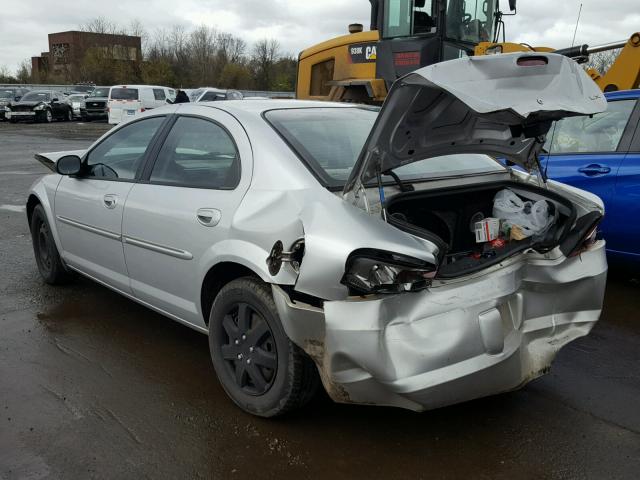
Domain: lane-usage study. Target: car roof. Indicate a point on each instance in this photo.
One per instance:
(620, 94)
(260, 106)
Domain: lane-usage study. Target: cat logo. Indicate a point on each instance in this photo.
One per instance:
(363, 52)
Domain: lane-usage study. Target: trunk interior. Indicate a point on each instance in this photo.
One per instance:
(447, 217)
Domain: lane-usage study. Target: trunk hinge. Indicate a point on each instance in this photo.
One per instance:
(383, 208)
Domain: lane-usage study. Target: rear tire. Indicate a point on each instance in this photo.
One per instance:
(262, 371)
(44, 248)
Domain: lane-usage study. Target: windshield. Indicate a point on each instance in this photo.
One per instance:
(83, 88)
(471, 21)
(100, 92)
(7, 94)
(329, 141)
(193, 96)
(36, 97)
(124, 94)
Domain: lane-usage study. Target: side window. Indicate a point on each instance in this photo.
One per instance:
(197, 153)
(158, 94)
(119, 155)
(598, 133)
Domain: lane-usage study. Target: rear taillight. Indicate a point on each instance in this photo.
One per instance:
(142, 109)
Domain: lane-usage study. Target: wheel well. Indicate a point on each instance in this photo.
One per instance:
(31, 205)
(216, 278)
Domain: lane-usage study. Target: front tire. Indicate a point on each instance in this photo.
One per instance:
(69, 117)
(47, 117)
(44, 247)
(261, 370)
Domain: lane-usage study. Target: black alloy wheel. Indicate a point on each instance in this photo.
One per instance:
(259, 367)
(69, 117)
(249, 349)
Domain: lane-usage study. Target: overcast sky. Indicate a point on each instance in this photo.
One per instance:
(296, 24)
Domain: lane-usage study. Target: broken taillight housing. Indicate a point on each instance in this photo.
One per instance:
(371, 271)
(589, 240)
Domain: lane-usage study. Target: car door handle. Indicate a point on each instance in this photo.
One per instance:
(594, 169)
(209, 217)
(110, 201)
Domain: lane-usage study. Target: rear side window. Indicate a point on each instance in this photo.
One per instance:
(119, 155)
(598, 133)
(124, 94)
(158, 94)
(198, 153)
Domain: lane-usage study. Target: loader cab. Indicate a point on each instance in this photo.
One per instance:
(417, 33)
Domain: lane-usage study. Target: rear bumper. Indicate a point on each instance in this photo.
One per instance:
(454, 342)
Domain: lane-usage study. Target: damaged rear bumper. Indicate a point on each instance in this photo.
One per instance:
(454, 342)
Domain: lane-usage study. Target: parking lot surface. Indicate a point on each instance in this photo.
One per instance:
(93, 385)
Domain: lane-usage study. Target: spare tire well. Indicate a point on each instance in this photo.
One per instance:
(216, 278)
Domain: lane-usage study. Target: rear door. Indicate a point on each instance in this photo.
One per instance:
(88, 208)
(124, 102)
(181, 211)
(587, 152)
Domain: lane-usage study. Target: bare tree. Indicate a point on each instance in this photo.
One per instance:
(263, 58)
(202, 43)
(602, 61)
(99, 25)
(23, 74)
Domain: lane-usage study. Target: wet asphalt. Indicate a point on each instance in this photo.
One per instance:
(95, 386)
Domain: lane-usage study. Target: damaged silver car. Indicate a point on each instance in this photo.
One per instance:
(391, 256)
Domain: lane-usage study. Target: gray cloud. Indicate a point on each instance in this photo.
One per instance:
(24, 24)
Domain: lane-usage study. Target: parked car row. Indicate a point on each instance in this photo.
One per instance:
(90, 102)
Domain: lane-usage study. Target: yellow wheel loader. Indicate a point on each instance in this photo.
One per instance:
(408, 34)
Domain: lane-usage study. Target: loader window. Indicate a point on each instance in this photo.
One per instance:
(405, 18)
(321, 74)
(471, 21)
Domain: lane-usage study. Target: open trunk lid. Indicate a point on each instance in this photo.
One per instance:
(500, 105)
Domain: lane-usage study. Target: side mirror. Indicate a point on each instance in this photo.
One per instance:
(18, 98)
(54, 100)
(512, 5)
(69, 165)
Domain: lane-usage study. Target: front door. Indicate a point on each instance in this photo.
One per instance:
(88, 208)
(175, 221)
(587, 152)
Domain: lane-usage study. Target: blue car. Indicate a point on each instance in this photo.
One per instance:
(601, 154)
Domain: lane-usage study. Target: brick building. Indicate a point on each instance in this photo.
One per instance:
(67, 50)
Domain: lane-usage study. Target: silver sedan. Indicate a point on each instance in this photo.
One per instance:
(370, 251)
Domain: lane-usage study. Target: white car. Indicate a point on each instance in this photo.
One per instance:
(314, 240)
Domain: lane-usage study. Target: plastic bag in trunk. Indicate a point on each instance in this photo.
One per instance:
(532, 218)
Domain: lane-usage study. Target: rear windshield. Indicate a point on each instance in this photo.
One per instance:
(124, 94)
(329, 141)
(36, 97)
